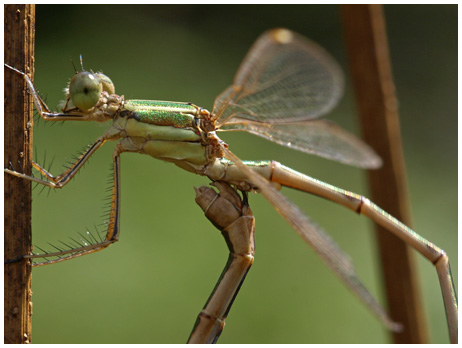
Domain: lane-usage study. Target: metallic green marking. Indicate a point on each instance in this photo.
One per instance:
(183, 107)
(163, 118)
(163, 113)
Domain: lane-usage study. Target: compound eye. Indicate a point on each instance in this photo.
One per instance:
(108, 86)
(85, 90)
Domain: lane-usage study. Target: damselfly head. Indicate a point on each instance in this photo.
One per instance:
(85, 89)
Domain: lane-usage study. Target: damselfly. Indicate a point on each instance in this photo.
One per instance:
(280, 92)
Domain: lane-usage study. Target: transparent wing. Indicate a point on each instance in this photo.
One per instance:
(284, 78)
(320, 137)
(327, 249)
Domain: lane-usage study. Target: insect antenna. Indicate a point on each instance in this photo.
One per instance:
(81, 63)
(73, 65)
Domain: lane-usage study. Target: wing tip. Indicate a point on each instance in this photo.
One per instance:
(374, 162)
(282, 35)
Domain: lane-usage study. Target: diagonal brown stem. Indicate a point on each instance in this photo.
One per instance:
(377, 106)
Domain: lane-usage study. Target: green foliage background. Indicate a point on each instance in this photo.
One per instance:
(149, 287)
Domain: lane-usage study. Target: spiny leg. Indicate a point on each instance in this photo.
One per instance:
(45, 113)
(40, 105)
(234, 218)
(61, 180)
(113, 228)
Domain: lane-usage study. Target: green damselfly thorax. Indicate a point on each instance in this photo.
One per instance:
(282, 89)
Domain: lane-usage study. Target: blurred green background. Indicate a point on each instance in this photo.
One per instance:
(150, 286)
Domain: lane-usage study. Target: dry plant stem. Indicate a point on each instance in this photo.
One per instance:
(377, 105)
(19, 26)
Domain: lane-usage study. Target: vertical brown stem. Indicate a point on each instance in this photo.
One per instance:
(19, 53)
(377, 105)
